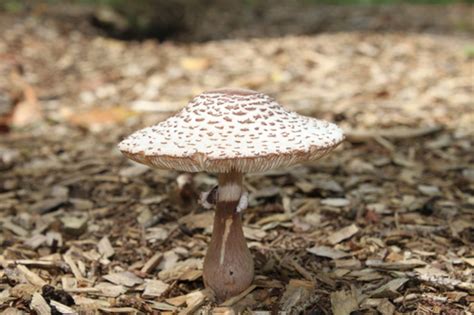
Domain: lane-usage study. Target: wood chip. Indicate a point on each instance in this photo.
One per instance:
(156, 234)
(390, 289)
(39, 304)
(407, 298)
(127, 310)
(429, 190)
(72, 264)
(231, 301)
(223, 311)
(47, 205)
(198, 221)
(399, 265)
(154, 288)
(161, 306)
(105, 248)
(32, 277)
(325, 251)
(335, 202)
(74, 225)
(134, 170)
(193, 301)
(168, 260)
(40, 263)
(23, 290)
(348, 264)
(177, 300)
(189, 269)
(12, 311)
(36, 241)
(68, 283)
(94, 303)
(343, 234)
(343, 302)
(296, 292)
(469, 261)
(110, 290)
(386, 308)
(18, 230)
(151, 263)
(125, 278)
(63, 309)
(253, 233)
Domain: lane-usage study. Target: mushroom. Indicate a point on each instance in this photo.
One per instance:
(231, 132)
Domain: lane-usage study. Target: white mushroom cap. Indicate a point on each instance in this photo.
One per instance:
(231, 130)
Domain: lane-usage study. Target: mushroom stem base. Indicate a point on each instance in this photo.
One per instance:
(228, 266)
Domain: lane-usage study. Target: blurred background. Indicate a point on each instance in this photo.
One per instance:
(77, 76)
(154, 55)
(135, 56)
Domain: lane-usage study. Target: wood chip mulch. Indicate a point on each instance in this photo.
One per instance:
(384, 225)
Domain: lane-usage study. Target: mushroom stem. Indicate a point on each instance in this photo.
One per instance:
(228, 266)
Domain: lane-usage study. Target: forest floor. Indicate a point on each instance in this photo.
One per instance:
(384, 225)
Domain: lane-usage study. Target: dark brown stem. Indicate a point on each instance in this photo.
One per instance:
(228, 266)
